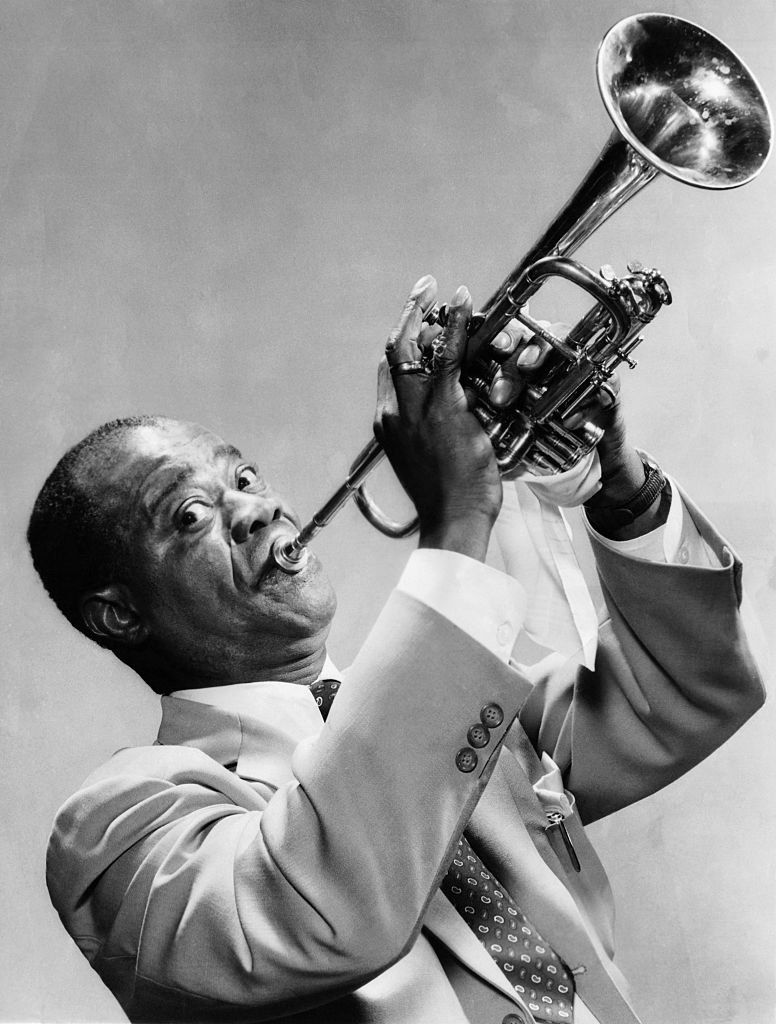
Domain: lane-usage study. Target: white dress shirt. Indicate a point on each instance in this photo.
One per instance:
(539, 585)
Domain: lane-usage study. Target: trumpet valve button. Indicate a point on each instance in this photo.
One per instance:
(436, 315)
(632, 363)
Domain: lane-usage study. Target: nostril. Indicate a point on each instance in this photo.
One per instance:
(254, 526)
(278, 515)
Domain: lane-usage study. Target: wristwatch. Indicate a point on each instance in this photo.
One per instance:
(613, 517)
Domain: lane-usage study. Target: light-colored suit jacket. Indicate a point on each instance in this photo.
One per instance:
(258, 868)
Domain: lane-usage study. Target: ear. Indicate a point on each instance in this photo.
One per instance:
(110, 613)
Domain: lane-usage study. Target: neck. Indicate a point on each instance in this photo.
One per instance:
(301, 664)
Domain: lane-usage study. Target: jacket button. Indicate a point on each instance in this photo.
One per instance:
(491, 716)
(466, 760)
(478, 735)
(516, 1018)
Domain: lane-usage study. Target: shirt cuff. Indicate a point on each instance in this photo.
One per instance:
(675, 542)
(572, 487)
(482, 602)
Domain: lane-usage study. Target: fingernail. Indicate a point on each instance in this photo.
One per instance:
(502, 342)
(529, 356)
(421, 284)
(461, 297)
(501, 391)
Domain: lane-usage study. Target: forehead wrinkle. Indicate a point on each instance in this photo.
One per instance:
(221, 451)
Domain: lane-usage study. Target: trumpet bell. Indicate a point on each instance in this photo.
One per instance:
(682, 104)
(684, 101)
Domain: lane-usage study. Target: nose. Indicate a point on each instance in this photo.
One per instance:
(251, 512)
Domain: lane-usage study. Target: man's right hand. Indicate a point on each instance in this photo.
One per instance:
(436, 446)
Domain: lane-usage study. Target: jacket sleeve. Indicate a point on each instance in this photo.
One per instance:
(174, 876)
(675, 676)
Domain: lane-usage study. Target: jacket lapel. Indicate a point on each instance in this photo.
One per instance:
(504, 842)
(516, 848)
(444, 921)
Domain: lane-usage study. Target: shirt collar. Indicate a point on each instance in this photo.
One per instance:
(255, 726)
(252, 698)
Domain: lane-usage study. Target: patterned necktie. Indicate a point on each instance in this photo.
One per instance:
(529, 964)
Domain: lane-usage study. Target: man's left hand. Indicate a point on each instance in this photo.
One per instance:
(522, 356)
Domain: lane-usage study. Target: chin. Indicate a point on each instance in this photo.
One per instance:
(306, 600)
(321, 603)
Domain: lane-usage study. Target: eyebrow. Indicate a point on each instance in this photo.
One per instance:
(226, 451)
(221, 451)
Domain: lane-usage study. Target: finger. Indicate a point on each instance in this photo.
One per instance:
(510, 380)
(599, 408)
(503, 389)
(402, 344)
(609, 391)
(534, 354)
(526, 354)
(428, 335)
(508, 340)
(386, 396)
(513, 334)
(451, 344)
(517, 342)
(386, 393)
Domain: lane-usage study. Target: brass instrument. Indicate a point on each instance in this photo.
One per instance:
(682, 104)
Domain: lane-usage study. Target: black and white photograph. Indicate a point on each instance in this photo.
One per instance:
(389, 517)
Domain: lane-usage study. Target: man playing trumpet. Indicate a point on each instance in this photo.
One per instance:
(412, 851)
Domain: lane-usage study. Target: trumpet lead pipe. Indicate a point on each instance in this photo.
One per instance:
(291, 556)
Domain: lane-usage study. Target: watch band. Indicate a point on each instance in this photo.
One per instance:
(616, 516)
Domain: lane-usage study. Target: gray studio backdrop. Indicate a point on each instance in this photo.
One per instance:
(214, 210)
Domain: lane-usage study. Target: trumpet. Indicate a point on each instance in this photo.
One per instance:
(682, 104)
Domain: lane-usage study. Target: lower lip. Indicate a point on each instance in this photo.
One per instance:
(272, 573)
(289, 555)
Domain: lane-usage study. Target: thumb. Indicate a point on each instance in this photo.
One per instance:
(450, 347)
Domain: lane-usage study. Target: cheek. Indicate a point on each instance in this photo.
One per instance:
(298, 603)
(190, 586)
(290, 514)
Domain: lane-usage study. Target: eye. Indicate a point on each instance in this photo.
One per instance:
(246, 477)
(192, 515)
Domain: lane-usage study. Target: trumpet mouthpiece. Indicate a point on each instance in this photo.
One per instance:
(290, 555)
